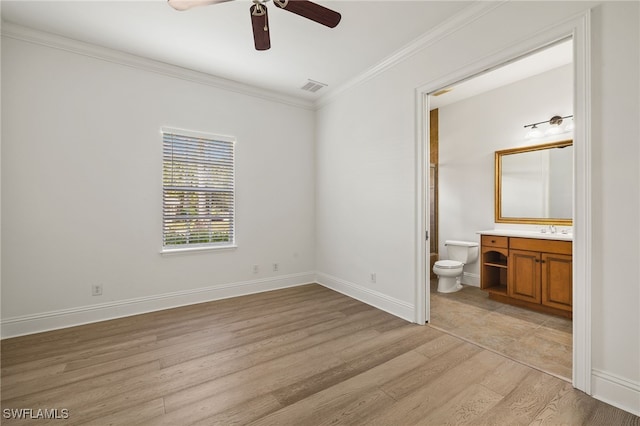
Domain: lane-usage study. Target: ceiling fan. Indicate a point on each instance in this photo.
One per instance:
(259, 18)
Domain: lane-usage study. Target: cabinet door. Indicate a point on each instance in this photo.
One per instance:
(524, 275)
(557, 281)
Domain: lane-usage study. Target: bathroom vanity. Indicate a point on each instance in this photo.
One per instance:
(528, 269)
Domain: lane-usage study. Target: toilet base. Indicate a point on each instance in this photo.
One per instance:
(449, 284)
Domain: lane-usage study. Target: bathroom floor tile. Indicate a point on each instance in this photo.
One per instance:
(523, 314)
(490, 338)
(538, 350)
(560, 324)
(536, 339)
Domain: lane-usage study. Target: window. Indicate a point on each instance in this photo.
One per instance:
(197, 190)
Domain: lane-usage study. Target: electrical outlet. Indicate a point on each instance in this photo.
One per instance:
(256, 269)
(276, 267)
(96, 290)
(373, 277)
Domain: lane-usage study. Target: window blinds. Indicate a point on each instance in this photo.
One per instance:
(198, 190)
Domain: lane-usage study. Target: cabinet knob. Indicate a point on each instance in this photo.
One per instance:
(493, 241)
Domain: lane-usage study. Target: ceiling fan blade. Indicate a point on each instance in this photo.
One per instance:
(260, 24)
(310, 10)
(188, 4)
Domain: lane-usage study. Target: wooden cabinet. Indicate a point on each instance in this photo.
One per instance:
(528, 272)
(557, 281)
(524, 275)
(494, 253)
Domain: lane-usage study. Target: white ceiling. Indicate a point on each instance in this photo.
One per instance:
(218, 39)
(538, 62)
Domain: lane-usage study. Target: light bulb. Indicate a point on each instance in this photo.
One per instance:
(534, 133)
(554, 129)
(570, 126)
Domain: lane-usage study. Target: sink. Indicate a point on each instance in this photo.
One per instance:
(529, 233)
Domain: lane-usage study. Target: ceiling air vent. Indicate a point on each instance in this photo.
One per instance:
(313, 86)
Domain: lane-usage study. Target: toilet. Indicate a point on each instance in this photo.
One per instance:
(449, 271)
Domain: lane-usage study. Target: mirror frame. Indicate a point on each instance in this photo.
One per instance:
(498, 186)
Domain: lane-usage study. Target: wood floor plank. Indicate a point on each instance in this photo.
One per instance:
(415, 379)
(269, 375)
(397, 340)
(207, 337)
(464, 408)
(605, 415)
(139, 415)
(322, 404)
(278, 335)
(351, 412)
(442, 344)
(297, 356)
(208, 413)
(16, 379)
(506, 379)
(348, 328)
(414, 407)
(569, 406)
(358, 358)
(78, 380)
(88, 395)
(526, 401)
(221, 311)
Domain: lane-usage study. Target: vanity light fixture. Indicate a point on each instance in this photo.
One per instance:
(555, 127)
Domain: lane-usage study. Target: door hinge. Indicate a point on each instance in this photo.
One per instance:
(426, 235)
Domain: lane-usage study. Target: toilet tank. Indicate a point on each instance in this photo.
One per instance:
(462, 251)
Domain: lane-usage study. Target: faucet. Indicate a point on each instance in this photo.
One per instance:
(552, 229)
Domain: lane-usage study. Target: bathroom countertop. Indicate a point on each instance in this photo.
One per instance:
(528, 234)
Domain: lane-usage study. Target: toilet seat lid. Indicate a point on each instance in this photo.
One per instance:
(448, 264)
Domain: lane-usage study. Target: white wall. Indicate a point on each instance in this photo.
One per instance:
(616, 137)
(366, 165)
(470, 131)
(82, 189)
(67, 118)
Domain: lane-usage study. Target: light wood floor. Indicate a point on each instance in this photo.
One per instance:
(536, 339)
(300, 356)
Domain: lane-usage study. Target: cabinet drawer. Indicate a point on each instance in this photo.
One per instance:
(495, 241)
(534, 244)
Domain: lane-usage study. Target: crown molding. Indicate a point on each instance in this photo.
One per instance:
(450, 26)
(30, 35)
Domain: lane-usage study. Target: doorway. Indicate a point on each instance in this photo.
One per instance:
(496, 105)
(577, 29)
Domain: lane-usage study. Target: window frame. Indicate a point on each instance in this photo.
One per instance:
(196, 247)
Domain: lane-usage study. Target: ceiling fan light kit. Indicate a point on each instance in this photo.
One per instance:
(260, 19)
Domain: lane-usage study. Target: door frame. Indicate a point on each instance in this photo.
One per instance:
(579, 30)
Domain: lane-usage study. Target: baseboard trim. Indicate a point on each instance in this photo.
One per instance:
(617, 391)
(376, 299)
(47, 321)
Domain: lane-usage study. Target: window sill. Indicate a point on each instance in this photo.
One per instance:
(186, 250)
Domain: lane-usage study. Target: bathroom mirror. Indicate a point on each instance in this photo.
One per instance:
(534, 184)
